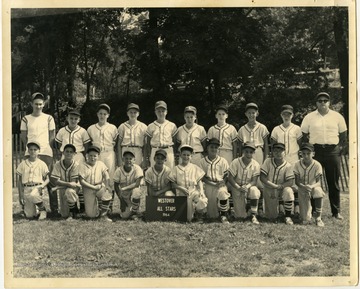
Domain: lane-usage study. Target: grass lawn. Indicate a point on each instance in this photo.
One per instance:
(89, 248)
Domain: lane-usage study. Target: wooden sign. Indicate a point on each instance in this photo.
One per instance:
(166, 209)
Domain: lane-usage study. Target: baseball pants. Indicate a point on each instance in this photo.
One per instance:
(196, 202)
(129, 202)
(108, 158)
(272, 203)
(170, 160)
(214, 195)
(240, 200)
(31, 198)
(91, 198)
(226, 154)
(305, 201)
(66, 196)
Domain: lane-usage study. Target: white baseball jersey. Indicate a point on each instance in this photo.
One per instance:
(132, 135)
(243, 174)
(187, 176)
(93, 174)
(226, 134)
(277, 174)
(289, 136)
(161, 134)
(215, 169)
(255, 135)
(127, 178)
(38, 128)
(77, 137)
(193, 136)
(104, 136)
(60, 172)
(308, 175)
(32, 172)
(157, 180)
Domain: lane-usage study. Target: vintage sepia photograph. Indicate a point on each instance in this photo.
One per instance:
(192, 145)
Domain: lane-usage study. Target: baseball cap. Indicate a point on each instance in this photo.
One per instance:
(104, 106)
(93, 148)
(74, 112)
(221, 107)
(161, 152)
(213, 141)
(69, 145)
(278, 145)
(160, 103)
(250, 145)
(307, 146)
(324, 94)
(38, 95)
(190, 109)
(251, 105)
(186, 147)
(128, 152)
(133, 106)
(33, 143)
(287, 108)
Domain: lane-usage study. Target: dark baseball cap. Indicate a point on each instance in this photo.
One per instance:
(323, 94)
(307, 146)
(160, 104)
(104, 106)
(190, 108)
(287, 108)
(133, 106)
(250, 145)
(251, 105)
(222, 107)
(69, 145)
(213, 141)
(93, 148)
(74, 112)
(128, 153)
(33, 143)
(161, 152)
(278, 145)
(38, 95)
(186, 147)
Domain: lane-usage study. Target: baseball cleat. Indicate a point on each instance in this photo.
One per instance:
(319, 223)
(338, 216)
(42, 215)
(254, 220)
(105, 219)
(224, 220)
(69, 219)
(288, 221)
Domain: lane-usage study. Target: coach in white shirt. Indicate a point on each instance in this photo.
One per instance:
(326, 130)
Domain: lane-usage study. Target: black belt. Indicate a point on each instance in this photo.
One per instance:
(325, 146)
(31, 185)
(131, 147)
(164, 147)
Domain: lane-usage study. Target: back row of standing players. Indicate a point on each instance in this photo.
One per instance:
(241, 153)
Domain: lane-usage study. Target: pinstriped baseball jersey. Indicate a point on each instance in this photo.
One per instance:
(93, 174)
(132, 135)
(65, 174)
(242, 173)
(308, 175)
(77, 137)
(277, 174)
(37, 128)
(288, 136)
(127, 178)
(32, 172)
(226, 134)
(156, 180)
(255, 135)
(161, 133)
(215, 169)
(104, 136)
(187, 176)
(193, 136)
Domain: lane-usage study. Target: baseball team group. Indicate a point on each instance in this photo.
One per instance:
(276, 176)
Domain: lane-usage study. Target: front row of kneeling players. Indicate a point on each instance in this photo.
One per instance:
(205, 185)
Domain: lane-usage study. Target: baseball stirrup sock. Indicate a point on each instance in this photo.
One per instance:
(81, 200)
(288, 208)
(41, 206)
(261, 201)
(135, 205)
(296, 202)
(318, 206)
(223, 205)
(112, 201)
(248, 205)
(104, 207)
(254, 206)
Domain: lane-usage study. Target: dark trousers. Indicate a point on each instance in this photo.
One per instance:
(329, 157)
(53, 198)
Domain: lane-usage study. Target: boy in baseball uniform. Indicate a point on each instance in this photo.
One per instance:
(243, 177)
(157, 177)
(127, 180)
(192, 134)
(186, 180)
(278, 177)
(225, 133)
(33, 178)
(216, 173)
(95, 181)
(132, 136)
(161, 135)
(65, 175)
(291, 136)
(308, 173)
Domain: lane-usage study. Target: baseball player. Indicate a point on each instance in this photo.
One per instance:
(161, 135)
(278, 177)
(308, 173)
(225, 133)
(156, 177)
(244, 174)
(40, 127)
(186, 180)
(192, 134)
(216, 172)
(95, 182)
(33, 178)
(132, 136)
(65, 175)
(127, 179)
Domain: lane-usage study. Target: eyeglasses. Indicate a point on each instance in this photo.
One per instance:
(323, 100)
